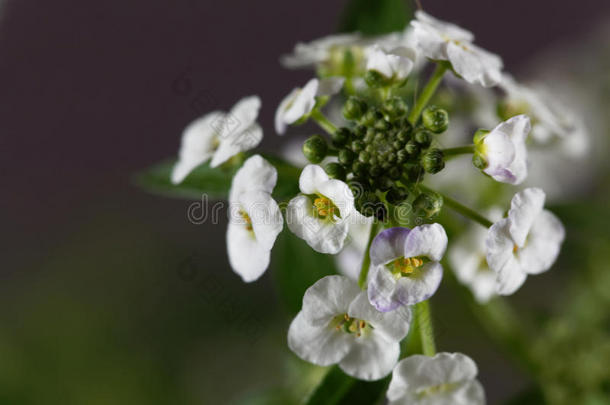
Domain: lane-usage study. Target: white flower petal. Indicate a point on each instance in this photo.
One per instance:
(340, 194)
(265, 214)
(543, 244)
(320, 345)
(247, 256)
(525, 207)
(370, 358)
(501, 258)
(255, 174)
(311, 177)
(428, 240)
(280, 124)
(198, 144)
(394, 325)
(238, 141)
(449, 29)
(396, 64)
(322, 235)
(244, 113)
(328, 297)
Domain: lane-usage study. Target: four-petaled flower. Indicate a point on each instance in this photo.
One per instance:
(526, 242)
(301, 101)
(439, 40)
(394, 65)
(219, 136)
(255, 219)
(445, 379)
(407, 268)
(337, 325)
(502, 153)
(320, 214)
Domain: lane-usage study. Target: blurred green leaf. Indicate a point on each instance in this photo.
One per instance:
(296, 268)
(375, 17)
(337, 388)
(214, 182)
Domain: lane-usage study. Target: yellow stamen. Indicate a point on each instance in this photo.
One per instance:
(247, 220)
(324, 207)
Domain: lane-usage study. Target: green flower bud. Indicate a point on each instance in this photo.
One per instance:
(479, 136)
(341, 136)
(368, 138)
(397, 145)
(396, 195)
(360, 131)
(358, 146)
(335, 171)
(379, 137)
(375, 79)
(373, 160)
(412, 148)
(479, 161)
(391, 157)
(354, 108)
(432, 161)
(415, 173)
(428, 205)
(346, 157)
(384, 183)
(375, 170)
(364, 156)
(423, 138)
(395, 107)
(315, 148)
(401, 156)
(394, 173)
(359, 168)
(382, 125)
(435, 119)
(403, 135)
(369, 117)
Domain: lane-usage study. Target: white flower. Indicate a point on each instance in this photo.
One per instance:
(503, 150)
(445, 379)
(407, 268)
(550, 118)
(301, 101)
(394, 65)
(528, 241)
(320, 214)
(218, 136)
(320, 51)
(439, 40)
(467, 259)
(338, 325)
(255, 219)
(344, 53)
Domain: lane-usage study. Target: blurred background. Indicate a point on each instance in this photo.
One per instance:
(109, 295)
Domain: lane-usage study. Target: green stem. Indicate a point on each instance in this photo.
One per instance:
(427, 92)
(366, 261)
(323, 122)
(426, 330)
(460, 150)
(462, 209)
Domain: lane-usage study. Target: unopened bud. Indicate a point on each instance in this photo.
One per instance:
(432, 161)
(315, 148)
(435, 119)
(428, 205)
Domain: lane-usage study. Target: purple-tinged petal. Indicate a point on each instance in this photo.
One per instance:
(388, 245)
(381, 290)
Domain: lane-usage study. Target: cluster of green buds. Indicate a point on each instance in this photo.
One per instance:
(381, 153)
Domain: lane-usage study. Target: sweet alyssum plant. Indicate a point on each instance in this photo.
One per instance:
(370, 179)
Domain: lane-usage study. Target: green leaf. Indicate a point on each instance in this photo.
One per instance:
(296, 268)
(337, 388)
(374, 17)
(214, 182)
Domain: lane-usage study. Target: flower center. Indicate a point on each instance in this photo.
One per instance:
(353, 326)
(405, 266)
(325, 208)
(436, 389)
(247, 220)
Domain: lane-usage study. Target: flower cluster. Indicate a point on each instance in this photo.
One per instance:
(378, 156)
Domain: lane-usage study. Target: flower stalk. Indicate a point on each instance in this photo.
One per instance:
(427, 92)
(461, 208)
(426, 329)
(366, 260)
(323, 122)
